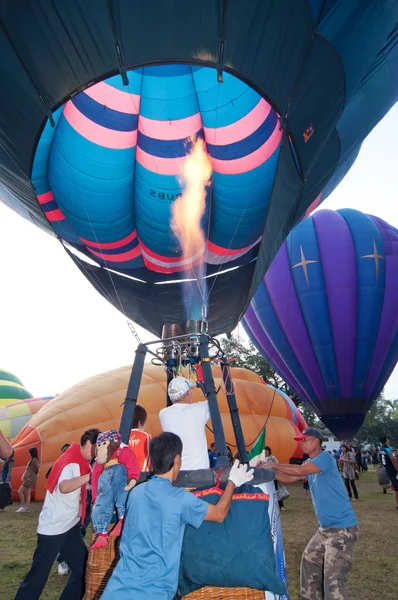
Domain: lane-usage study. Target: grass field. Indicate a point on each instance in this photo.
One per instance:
(375, 573)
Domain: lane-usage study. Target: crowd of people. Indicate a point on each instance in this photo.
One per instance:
(150, 555)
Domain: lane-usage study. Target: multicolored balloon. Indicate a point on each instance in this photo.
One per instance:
(326, 314)
(16, 404)
(11, 388)
(92, 138)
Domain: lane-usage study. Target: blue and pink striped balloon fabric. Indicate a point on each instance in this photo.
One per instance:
(108, 172)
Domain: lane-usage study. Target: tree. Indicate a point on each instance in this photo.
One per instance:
(381, 420)
(248, 357)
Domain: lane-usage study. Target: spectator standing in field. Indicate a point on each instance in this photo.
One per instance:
(390, 463)
(29, 479)
(347, 460)
(271, 459)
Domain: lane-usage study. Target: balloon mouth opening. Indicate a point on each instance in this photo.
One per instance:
(143, 179)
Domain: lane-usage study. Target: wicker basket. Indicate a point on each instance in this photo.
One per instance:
(100, 565)
(219, 593)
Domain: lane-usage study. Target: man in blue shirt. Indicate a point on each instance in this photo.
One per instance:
(327, 559)
(157, 513)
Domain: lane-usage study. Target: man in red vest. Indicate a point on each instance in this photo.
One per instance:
(59, 528)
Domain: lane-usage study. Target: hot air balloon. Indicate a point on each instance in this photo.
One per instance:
(11, 388)
(326, 314)
(16, 404)
(102, 99)
(97, 402)
(16, 414)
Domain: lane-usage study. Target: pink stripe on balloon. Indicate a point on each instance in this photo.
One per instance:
(166, 264)
(123, 257)
(251, 161)
(115, 99)
(170, 130)
(162, 166)
(108, 138)
(240, 130)
(216, 255)
(313, 206)
(46, 197)
(228, 251)
(111, 245)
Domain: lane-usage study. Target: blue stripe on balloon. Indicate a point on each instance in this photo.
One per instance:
(370, 292)
(48, 206)
(168, 70)
(104, 116)
(223, 104)
(312, 298)
(165, 148)
(93, 185)
(154, 194)
(246, 146)
(240, 205)
(270, 323)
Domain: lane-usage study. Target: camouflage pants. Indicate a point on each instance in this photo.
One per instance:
(326, 563)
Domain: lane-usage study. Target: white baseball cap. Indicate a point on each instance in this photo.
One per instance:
(178, 387)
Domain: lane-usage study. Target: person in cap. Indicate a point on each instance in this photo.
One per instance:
(327, 559)
(157, 513)
(187, 420)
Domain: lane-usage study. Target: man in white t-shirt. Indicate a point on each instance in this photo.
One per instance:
(59, 528)
(187, 420)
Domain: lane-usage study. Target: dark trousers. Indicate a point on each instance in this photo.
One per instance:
(351, 482)
(74, 552)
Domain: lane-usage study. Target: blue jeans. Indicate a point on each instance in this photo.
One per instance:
(111, 493)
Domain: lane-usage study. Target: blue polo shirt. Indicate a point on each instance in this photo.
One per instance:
(150, 547)
(329, 495)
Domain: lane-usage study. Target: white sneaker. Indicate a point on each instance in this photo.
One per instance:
(21, 509)
(63, 568)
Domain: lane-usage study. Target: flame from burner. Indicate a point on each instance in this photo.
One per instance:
(187, 214)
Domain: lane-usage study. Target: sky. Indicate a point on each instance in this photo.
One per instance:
(56, 330)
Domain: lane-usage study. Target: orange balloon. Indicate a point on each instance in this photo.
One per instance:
(98, 402)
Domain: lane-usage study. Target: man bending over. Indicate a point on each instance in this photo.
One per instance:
(157, 513)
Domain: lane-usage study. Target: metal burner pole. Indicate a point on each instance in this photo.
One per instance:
(126, 421)
(234, 411)
(219, 438)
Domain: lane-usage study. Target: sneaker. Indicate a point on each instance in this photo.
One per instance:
(21, 509)
(63, 568)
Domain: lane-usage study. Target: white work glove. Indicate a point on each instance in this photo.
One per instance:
(130, 485)
(239, 474)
